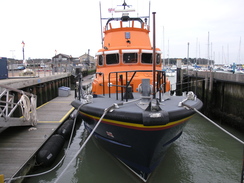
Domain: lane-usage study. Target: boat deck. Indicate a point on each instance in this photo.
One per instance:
(136, 109)
(19, 144)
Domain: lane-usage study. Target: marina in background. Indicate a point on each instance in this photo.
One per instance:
(194, 173)
(203, 153)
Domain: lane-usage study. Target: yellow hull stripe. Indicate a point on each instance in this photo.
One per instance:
(141, 126)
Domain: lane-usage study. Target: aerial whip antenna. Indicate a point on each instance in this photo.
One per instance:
(101, 23)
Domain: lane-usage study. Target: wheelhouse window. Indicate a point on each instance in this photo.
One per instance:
(158, 58)
(130, 57)
(146, 58)
(100, 60)
(112, 59)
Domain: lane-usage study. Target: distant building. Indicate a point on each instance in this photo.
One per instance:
(68, 59)
(88, 60)
(63, 61)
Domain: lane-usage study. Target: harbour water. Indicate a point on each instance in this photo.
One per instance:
(203, 154)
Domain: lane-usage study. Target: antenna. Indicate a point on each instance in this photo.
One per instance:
(101, 23)
(149, 13)
(125, 10)
(124, 4)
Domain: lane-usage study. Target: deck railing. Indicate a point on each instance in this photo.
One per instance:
(160, 84)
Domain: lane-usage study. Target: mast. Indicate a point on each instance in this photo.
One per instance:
(196, 51)
(163, 50)
(101, 23)
(239, 52)
(208, 50)
(149, 13)
(168, 52)
(211, 55)
(23, 50)
(228, 54)
(154, 56)
(188, 44)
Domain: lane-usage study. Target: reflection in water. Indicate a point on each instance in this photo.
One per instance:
(202, 154)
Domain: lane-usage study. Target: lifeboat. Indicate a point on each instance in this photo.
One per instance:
(142, 119)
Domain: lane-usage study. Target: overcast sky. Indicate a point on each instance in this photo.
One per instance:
(72, 27)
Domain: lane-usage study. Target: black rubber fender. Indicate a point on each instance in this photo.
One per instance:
(66, 128)
(50, 150)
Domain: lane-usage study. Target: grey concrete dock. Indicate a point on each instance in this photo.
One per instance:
(18, 145)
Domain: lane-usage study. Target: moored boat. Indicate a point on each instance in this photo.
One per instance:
(130, 110)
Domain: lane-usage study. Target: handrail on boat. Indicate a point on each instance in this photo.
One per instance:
(124, 19)
(161, 80)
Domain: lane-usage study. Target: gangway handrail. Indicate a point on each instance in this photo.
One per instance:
(16, 90)
(27, 102)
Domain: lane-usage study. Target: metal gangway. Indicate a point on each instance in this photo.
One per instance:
(22, 102)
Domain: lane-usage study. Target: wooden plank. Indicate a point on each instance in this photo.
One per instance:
(19, 144)
(14, 122)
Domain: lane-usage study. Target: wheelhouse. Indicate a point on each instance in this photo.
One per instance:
(127, 57)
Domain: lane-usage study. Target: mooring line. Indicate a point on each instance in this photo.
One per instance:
(239, 140)
(8, 180)
(87, 139)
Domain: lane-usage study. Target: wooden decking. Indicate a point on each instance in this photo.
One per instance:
(19, 144)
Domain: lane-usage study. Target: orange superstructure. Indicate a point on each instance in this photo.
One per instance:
(126, 47)
(130, 111)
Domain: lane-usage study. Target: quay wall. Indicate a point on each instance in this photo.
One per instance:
(222, 95)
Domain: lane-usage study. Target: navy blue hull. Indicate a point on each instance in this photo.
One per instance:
(141, 150)
(139, 144)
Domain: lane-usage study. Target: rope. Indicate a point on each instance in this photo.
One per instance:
(214, 123)
(28, 108)
(48, 171)
(242, 173)
(88, 138)
(42, 173)
(33, 110)
(25, 106)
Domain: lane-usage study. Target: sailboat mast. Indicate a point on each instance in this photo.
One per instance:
(188, 46)
(196, 51)
(208, 50)
(239, 53)
(168, 52)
